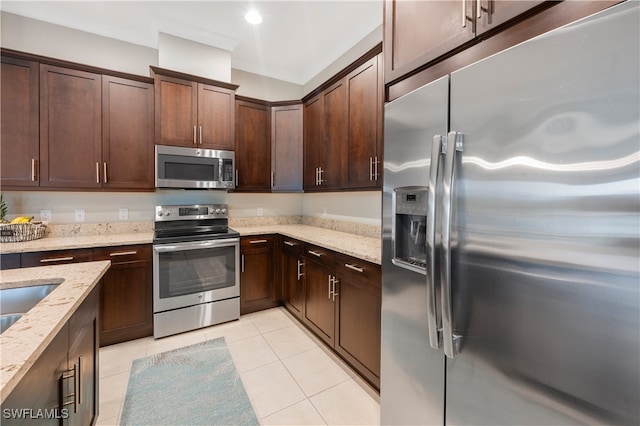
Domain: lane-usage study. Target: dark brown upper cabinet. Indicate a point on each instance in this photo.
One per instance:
(286, 148)
(70, 128)
(420, 32)
(343, 130)
(313, 146)
(192, 111)
(253, 147)
(364, 87)
(127, 134)
(19, 133)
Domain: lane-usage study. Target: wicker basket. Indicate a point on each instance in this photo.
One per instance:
(17, 232)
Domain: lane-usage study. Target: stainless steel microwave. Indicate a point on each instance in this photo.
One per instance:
(178, 167)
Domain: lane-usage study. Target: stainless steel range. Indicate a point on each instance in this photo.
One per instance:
(196, 275)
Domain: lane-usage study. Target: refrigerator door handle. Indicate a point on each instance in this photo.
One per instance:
(432, 320)
(454, 145)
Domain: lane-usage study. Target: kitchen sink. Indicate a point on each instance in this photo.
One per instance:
(15, 302)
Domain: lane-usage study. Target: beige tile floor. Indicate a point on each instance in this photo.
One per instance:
(290, 376)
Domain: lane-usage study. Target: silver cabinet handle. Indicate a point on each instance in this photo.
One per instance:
(195, 142)
(370, 168)
(300, 266)
(315, 253)
(257, 241)
(290, 244)
(200, 135)
(334, 293)
(329, 286)
(454, 145)
(123, 253)
(464, 13)
(104, 170)
(376, 174)
(242, 268)
(320, 173)
(354, 267)
(478, 10)
(317, 176)
(273, 178)
(71, 373)
(97, 172)
(56, 259)
(34, 174)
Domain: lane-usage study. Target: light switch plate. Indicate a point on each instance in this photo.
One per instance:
(123, 214)
(79, 216)
(260, 211)
(45, 215)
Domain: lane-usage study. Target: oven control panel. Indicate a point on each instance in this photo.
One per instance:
(192, 212)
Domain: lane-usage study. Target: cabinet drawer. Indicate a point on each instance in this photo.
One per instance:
(10, 261)
(319, 255)
(121, 254)
(257, 241)
(359, 271)
(56, 257)
(291, 245)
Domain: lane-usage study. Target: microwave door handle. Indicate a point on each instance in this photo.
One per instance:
(450, 341)
(433, 321)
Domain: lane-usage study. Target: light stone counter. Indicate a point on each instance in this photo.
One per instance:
(87, 241)
(361, 247)
(23, 342)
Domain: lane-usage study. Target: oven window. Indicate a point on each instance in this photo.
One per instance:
(195, 271)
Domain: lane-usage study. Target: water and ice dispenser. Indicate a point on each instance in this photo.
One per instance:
(410, 227)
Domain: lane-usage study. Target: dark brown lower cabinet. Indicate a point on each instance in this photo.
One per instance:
(257, 273)
(358, 315)
(292, 284)
(10, 261)
(126, 299)
(61, 388)
(342, 306)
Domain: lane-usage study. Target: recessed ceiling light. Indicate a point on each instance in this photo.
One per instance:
(253, 17)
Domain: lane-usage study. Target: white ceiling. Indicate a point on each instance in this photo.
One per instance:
(295, 41)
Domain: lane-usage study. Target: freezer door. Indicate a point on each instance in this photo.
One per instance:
(412, 373)
(545, 230)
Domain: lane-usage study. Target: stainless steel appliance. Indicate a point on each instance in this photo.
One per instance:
(194, 168)
(527, 310)
(196, 276)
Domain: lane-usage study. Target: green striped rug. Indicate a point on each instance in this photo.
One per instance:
(194, 385)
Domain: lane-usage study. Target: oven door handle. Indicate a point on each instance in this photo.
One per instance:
(195, 245)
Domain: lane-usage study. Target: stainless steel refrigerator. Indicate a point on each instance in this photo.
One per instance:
(511, 249)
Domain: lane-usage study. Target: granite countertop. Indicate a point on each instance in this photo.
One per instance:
(358, 246)
(24, 341)
(66, 243)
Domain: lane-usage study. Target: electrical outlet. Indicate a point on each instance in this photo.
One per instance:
(45, 215)
(79, 216)
(123, 214)
(260, 211)
(324, 210)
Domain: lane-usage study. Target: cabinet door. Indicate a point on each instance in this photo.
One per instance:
(127, 134)
(363, 115)
(358, 326)
(491, 13)
(417, 32)
(335, 135)
(9, 261)
(126, 304)
(83, 347)
(253, 149)
(286, 148)
(319, 307)
(41, 387)
(257, 286)
(70, 128)
(176, 111)
(19, 133)
(216, 121)
(313, 142)
(292, 283)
